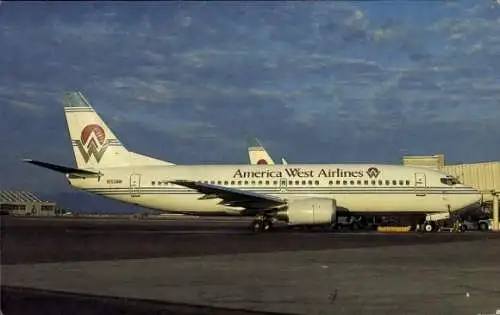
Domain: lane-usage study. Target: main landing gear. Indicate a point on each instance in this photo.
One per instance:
(262, 224)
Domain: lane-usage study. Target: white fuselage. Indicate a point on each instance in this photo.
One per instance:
(396, 189)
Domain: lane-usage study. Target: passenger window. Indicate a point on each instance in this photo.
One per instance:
(359, 182)
(253, 182)
(338, 182)
(366, 182)
(232, 182)
(387, 182)
(246, 182)
(239, 183)
(267, 182)
(153, 183)
(380, 182)
(310, 182)
(260, 182)
(304, 182)
(226, 182)
(408, 182)
(219, 182)
(374, 182)
(344, 182)
(317, 182)
(351, 182)
(401, 182)
(275, 182)
(330, 182)
(290, 182)
(394, 182)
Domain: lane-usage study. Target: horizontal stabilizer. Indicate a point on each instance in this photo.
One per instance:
(64, 169)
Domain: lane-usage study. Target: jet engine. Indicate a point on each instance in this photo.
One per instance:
(310, 211)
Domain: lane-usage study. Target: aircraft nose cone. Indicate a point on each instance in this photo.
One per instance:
(476, 198)
(479, 197)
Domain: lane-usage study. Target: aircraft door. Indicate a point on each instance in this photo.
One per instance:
(283, 184)
(420, 184)
(135, 185)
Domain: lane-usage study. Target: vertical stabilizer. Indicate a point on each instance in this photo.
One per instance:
(94, 143)
(258, 154)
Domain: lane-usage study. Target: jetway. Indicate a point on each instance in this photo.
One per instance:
(483, 176)
(435, 161)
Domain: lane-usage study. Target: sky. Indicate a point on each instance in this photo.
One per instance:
(191, 82)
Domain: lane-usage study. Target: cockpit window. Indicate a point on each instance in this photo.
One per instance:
(450, 181)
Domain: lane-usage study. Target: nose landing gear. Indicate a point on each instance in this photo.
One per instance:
(429, 227)
(456, 226)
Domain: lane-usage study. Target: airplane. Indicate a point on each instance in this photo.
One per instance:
(298, 194)
(258, 155)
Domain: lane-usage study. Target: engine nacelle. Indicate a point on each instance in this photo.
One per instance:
(310, 211)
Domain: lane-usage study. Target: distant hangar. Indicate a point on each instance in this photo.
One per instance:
(25, 203)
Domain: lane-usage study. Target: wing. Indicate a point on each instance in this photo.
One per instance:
(234, 197)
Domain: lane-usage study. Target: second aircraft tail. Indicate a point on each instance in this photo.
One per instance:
(257, 154)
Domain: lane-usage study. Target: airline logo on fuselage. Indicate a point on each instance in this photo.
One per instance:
(373, 172)
(92, 142)
(298, 172)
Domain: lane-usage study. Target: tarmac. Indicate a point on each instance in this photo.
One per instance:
(216, 266)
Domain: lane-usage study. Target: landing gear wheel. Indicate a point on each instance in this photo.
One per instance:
(257, 226)
(428, 227)
(483, 226)
(262, 225)
(267, 225)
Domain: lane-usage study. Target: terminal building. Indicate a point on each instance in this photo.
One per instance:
(23, 203)
(483, 176)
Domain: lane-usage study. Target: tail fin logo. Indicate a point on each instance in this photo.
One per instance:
(92, 142)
